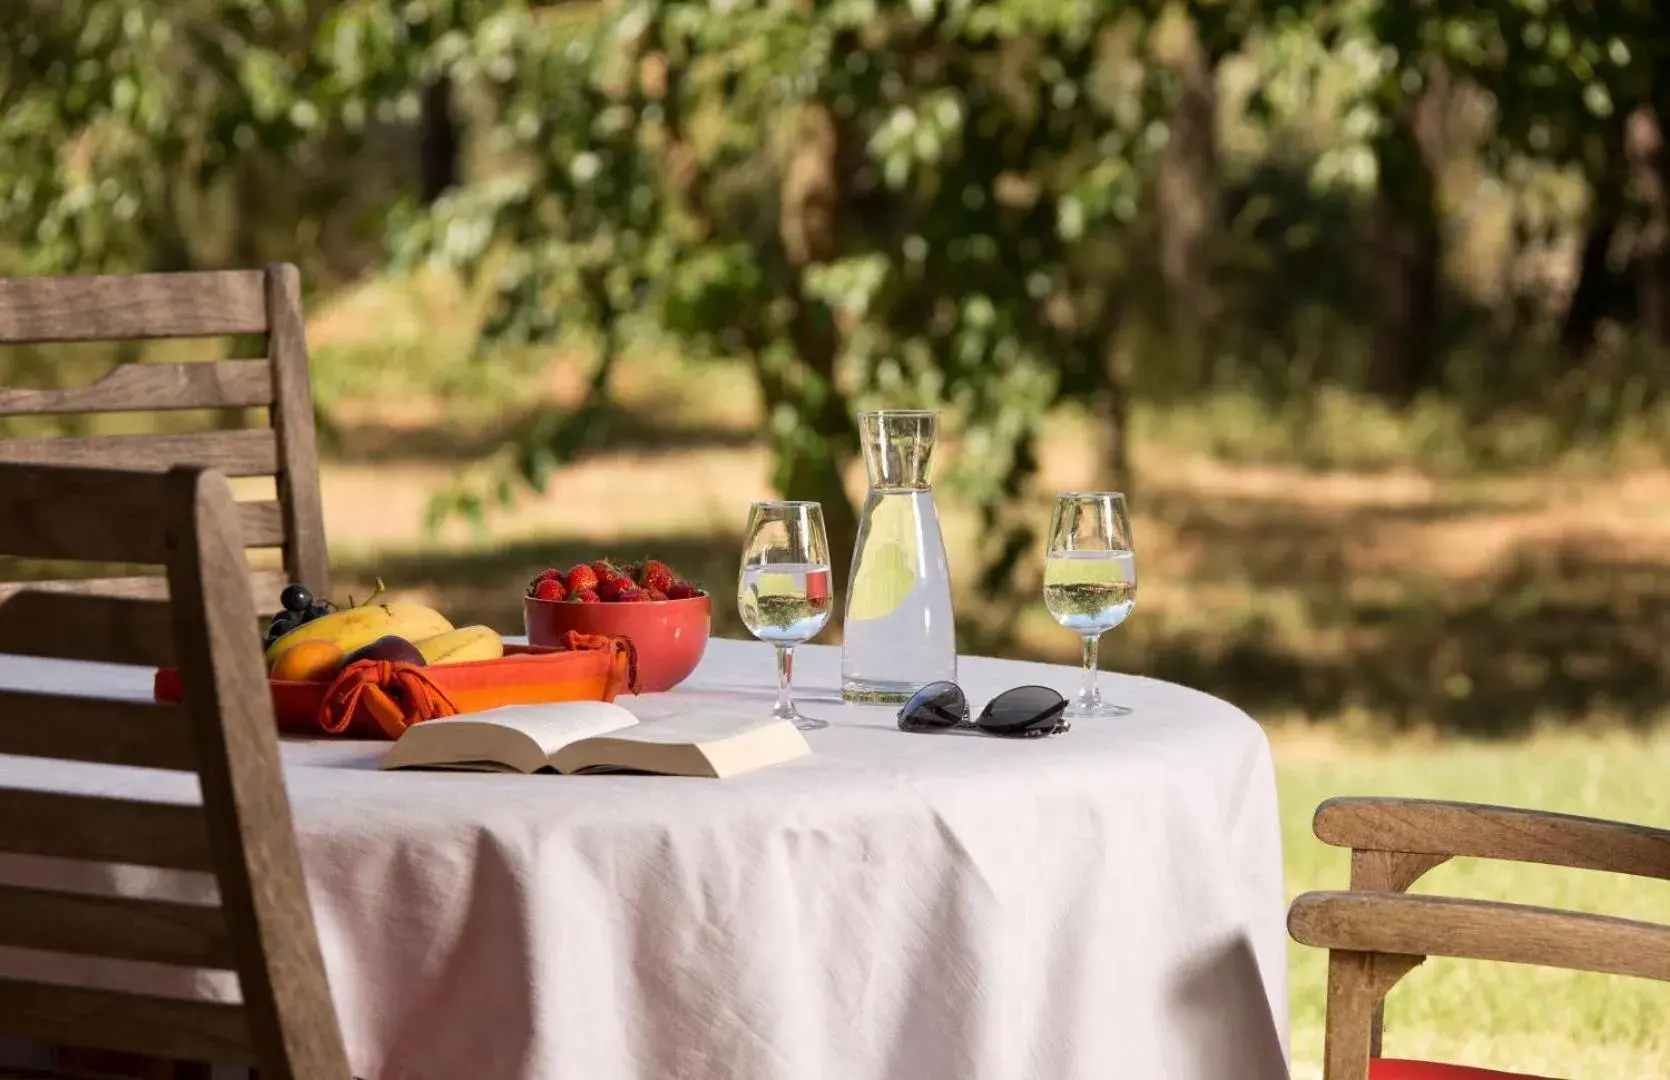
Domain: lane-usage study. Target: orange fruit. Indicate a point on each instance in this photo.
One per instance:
(308, 661)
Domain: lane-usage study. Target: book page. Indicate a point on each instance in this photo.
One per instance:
(552, 725)
(718, 740)
(695, 729)
(522, 737)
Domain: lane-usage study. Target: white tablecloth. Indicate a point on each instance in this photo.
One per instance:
(1105, 904)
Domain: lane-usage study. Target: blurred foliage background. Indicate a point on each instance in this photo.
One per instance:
(1366, 302)
(1331, 236)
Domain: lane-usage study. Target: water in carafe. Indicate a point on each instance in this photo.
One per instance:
(898, 634)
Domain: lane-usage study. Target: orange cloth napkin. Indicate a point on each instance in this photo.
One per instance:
(394, 695)
(574, 641)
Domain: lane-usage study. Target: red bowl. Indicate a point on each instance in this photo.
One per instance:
(670, 635)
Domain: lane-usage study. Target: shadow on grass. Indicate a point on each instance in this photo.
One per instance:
(1560, 634)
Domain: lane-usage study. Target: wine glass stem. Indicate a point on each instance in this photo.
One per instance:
(785, 681)
(1088, 694)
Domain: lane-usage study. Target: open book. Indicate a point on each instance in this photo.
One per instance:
(594, 736)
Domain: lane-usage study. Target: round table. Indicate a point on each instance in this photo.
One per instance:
(1106, 903)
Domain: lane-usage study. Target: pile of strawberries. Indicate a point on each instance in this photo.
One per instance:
(602, 582)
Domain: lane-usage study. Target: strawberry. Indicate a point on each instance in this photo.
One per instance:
(604, 569)
(581, 576)
(631, 595)
(657, 575)
(633, 570)
(610, 590)
(550, 588)
(583, 596)
(655, 594)
(682, 590)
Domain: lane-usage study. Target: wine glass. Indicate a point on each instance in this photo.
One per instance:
(784, 590)
(1090, 580)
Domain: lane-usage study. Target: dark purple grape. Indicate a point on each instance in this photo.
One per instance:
(296, 597)
(283, 623)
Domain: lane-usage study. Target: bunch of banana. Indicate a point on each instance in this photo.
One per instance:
(355, 627)
(462, 645)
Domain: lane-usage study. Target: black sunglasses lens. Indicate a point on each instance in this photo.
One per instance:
(937, 706)
(1025, 710)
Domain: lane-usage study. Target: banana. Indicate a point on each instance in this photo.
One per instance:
(462, 645)
(350, 629)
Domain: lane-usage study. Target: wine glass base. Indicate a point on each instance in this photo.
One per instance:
(1098, 710)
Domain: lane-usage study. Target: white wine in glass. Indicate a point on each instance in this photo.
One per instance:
(783, 590)
(1090, 581)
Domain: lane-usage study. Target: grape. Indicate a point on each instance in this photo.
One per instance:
(283, 623)
(296, 597)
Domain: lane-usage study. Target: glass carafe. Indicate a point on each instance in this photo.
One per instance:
(898, 634)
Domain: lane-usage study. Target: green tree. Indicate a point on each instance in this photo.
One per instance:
(870, 201)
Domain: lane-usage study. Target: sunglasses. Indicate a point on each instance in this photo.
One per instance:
(1026, 712)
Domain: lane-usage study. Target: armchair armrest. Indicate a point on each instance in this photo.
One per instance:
(1447, 829)
(1403, 925)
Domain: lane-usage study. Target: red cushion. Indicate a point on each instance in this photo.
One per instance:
(1393, 1069)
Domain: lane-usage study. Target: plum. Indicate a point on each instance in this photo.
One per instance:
(391, 648)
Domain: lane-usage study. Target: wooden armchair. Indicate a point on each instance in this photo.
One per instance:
(153, 306)
(1377, 933)
(262, 928)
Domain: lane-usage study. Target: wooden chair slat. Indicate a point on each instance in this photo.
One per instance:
(250, 452)
(305, 555)
(1402, 924)
(172, 836)
(214, 384)
(264, 584)
(262, 892)
(133, 587)
(109, 732)
(111, 1020)
(70, 626)
(49, 513)
(261, 523)
(119, 927)
(117, 308)
(131, 306)
(1458, 829)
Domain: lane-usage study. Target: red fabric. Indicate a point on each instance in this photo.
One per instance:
(1394, 1069)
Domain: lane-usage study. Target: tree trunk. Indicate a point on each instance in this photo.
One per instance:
(439, 144)
(1651, 149)
(811, 463)
(1406, 247)
(1596, 294)
(1110, 403)
(1189, 207)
